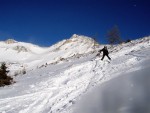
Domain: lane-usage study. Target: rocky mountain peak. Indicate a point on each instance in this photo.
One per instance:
(10, 41)
(75, 36)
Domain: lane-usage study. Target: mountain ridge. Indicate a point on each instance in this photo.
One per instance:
(76, 46)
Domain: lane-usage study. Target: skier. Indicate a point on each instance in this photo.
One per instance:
(105, 53)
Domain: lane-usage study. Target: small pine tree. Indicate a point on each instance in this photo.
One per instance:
(3, 71)
(4, 78)
(113, 36)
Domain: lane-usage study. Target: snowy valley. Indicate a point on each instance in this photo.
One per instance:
(62, 78)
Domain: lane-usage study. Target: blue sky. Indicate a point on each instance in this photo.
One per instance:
(45, 22)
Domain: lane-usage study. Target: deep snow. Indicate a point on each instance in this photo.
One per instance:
(57, 87)
(128, 93)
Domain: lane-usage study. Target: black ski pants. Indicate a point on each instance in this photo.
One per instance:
(105, 55)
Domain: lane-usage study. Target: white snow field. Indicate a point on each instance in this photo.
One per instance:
(57, 77)
(127, 93)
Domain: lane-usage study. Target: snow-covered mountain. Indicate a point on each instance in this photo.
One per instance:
(59, 75)
(30, 56)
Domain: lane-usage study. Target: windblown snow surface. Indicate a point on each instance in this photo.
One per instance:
(82, 83)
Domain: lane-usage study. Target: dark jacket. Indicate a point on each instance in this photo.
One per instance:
(104, 50)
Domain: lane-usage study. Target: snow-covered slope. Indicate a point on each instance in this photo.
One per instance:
(55, 88)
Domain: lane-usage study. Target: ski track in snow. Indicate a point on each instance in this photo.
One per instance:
(54, 89)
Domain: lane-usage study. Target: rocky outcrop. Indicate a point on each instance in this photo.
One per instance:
(10, 41)
(20, 49)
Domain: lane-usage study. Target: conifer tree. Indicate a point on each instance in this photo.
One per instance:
(113, 36)
(4, 78)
